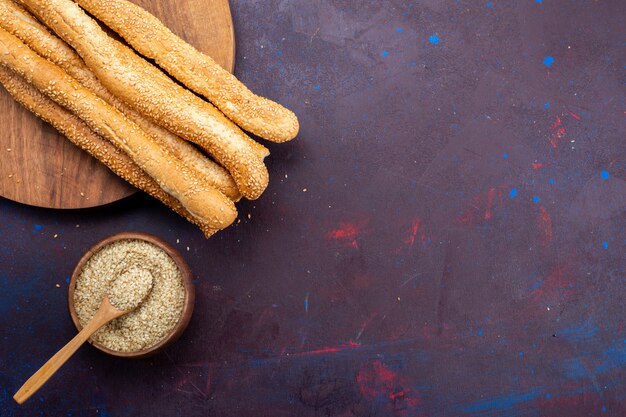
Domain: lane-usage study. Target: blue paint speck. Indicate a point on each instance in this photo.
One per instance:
(434, 39)
(279, 53)
(605, 175)
(538, 1)
(548, 61)
(384, 53)
(67, 280)
(548, 396)
(536, 199)
(551, 180)
(489, 4)
(480, 332)
(605, 245)
(604, 408)
(546, 106)
(38, 227)
(505, 155)
(513, 193)
(317, 87)
(521, 354)
(399, 30)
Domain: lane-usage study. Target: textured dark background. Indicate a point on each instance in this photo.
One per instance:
(445, 238)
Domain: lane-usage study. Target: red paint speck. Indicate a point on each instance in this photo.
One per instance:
(558, 132)
(574, 115)
(537, 165)
(329, 349)
(414, 228)
(482, 206)
(346, 233)
(399, 394)
(545, 225)
(376, 382)
(490, 195)
(555, 287)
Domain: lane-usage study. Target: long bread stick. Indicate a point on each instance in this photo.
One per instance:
(202, 201)
(79, 133)
(149, 91)
(21, 24)
(199, 72)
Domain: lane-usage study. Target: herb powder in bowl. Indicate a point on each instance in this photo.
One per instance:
(128, 264)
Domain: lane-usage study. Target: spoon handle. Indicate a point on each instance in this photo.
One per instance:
(102, 317)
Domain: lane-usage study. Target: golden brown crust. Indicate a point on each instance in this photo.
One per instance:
(200, 200)
(199, 72)
(80, 134)
(17, 21)
(153, 94)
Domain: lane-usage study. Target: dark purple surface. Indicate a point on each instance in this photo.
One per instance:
(445, 238)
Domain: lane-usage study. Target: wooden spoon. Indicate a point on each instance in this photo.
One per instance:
(105, 314)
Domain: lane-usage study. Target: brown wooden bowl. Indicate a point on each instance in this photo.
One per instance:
(190, 293)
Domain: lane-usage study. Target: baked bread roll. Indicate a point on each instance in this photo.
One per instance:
(17, 21)
(199, 72)
(202, 201)
(80, 134)
(153, 94)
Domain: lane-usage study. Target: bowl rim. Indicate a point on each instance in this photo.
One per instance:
(187, 279)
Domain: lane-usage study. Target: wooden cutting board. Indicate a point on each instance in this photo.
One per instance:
(39, 167)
